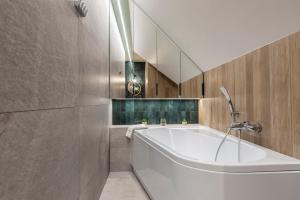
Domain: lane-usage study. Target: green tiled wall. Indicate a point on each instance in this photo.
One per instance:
(134, 111)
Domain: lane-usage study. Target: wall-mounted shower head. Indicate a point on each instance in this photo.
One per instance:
(227, 97)
(81, 7)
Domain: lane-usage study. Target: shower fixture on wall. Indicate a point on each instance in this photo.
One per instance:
(234, 114)
(236, 126)
(81, 7)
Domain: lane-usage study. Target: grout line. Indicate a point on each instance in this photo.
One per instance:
(53, 108)
(33, 110)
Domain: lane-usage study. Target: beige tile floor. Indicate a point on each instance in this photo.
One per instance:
(123, 186)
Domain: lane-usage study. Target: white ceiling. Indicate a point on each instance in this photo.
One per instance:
(213, 32)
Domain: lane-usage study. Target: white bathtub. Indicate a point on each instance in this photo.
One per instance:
(178, 164)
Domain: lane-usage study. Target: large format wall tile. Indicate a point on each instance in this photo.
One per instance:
(49, 55)
(93, 150)
(39, 155)
(38, 55)
(265, 89)
(94, 54)
(119, 150)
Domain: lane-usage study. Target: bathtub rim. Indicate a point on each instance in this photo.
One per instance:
(251, 167)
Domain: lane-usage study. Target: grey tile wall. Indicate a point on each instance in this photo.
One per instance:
(39, 65)
(54, 139)
(94, 145)
(119, 150)
(39, 155)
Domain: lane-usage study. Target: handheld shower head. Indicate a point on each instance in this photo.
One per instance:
(225, 93)
(227, 97)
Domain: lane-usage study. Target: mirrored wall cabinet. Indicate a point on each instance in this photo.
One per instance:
(144, 61)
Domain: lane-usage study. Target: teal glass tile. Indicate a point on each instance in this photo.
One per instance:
(193, 118)
(182, 115)
(174, 111)
(129, 106)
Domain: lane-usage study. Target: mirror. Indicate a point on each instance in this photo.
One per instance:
(191, 81)
(144, 61)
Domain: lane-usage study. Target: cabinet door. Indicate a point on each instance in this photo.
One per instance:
(168, 65)
(168, 57)
(144, 37)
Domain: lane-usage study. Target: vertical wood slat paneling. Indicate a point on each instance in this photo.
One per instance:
(150, 80)
(241, 91)
(226, 79)
(192, 88)
(208, 79)
(205, 112)
(205, 105)
(264, 86)
(281, 135)
(166, 87)
(295, 91)
(215, 98)
(258, 94)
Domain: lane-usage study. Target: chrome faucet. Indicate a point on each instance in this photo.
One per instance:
(237, 126)
(246, 126)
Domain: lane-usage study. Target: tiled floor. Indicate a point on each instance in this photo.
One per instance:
(123, 186)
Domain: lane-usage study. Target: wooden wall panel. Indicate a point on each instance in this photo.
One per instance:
(295, 91)
(192, 88)
(279, 58)
(242, 89)
(150, 81)
(205, 112)
(205, 105)
(257, 92)
(226, 79)
(265, 87)
(215, 95)
(208, 80)
(166, 87)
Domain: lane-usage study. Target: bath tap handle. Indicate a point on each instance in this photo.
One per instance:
(253, 127)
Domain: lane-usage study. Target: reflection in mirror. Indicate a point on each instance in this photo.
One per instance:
(117, 59)
(121, 13)
(158, 85)
(121, 45)
(168, 56)
(135, 79)
(144, 61)
(144, 37)
(191, 78)
(161, 58)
